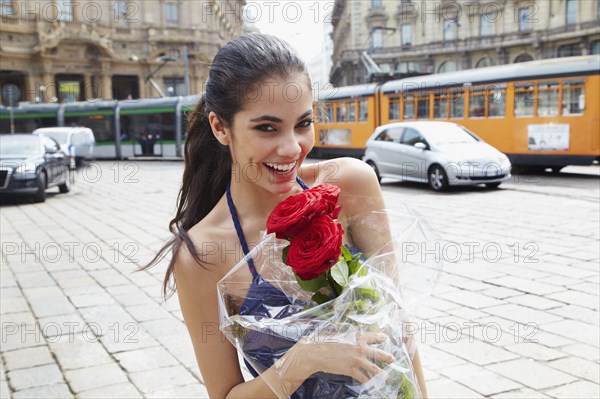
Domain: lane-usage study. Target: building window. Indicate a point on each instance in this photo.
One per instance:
(571, 16)
(65, 10)
(595, 46)
(174, 87)
(486, 24)
(172, 14)
(485, 62)
(569, 50)
(448, 66)
(406, 32)
(377, 38)
(7, 7)
(523, 58)
(524, 19)
(376, 3)
(450, 29)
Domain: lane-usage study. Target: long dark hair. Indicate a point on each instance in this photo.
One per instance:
(238, 66)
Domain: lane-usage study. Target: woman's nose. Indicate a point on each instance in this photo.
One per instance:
(289, 145)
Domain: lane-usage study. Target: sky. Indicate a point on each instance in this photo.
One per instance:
(300, 22)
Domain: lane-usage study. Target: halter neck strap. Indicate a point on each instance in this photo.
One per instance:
(238, 226)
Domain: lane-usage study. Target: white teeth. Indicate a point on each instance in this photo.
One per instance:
(280, 167)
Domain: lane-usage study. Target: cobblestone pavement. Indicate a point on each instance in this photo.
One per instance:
(514, 315)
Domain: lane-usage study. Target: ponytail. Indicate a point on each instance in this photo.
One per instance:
(205, 177)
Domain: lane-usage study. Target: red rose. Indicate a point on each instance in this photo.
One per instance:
(330, 195)
(294, 213)
(316, 248)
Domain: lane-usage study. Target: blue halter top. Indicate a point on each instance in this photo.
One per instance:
(263, 300)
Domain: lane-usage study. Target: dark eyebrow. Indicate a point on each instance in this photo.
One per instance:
(276, 119)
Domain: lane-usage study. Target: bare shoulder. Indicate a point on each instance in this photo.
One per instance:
(350, 174)
(205, 265)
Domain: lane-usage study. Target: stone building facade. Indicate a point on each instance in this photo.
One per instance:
(73, 50)
(407, 38)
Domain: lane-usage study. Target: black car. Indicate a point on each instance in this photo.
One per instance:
(30, 164)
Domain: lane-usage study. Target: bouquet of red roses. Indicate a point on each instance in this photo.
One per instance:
(309, 286)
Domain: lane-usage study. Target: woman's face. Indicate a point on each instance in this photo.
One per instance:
(272, 134)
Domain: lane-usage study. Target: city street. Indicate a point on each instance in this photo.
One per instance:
(515, 313)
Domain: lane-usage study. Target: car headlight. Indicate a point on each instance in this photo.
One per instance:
(26, 167)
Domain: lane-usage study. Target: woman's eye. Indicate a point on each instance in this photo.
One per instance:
(265, 128)
(306, 123)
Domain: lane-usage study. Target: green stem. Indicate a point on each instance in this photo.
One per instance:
(331, 283)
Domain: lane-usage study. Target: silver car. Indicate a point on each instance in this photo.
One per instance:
(442, 154)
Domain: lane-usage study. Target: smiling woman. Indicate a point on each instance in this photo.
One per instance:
(247, 140)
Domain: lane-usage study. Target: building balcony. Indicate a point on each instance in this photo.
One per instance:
(529, 37)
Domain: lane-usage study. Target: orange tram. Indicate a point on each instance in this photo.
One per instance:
(541, 113)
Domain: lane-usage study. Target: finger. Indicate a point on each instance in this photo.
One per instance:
(370, 369)
(377, 354)
(372, 338)
(358, 375)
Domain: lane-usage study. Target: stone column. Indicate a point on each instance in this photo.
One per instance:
(50, 91)
(142, 86)
(31, 90)
(88, 89)
(106, 82)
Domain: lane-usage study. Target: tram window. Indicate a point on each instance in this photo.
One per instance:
(524, 99)
(326, 112)
(394, 108)
(457, 104)
(573, 97)
(102, 125)
(496, 101)
(423, 106)
(547, 98)
(440, 107)
(409, 107)
(477, 103)
(340, 112)
(352, 112)
(363, 110)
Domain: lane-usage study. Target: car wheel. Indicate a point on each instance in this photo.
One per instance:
(40, 196)
(66, 186)
(492, 185)
(438, 179)
(372, 165)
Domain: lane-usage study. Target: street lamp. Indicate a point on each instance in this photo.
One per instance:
(163, 59)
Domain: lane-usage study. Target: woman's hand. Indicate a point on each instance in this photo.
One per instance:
(352, 356)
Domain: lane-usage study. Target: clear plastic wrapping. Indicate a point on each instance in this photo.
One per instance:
(266, 314)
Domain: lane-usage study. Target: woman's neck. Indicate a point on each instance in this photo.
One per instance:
(250, 199)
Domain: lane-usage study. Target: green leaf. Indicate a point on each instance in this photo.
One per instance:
(320, 298)
(346, 253)
(339, 272)
(313, 285)
(284, 254)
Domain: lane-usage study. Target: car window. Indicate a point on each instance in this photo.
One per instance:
(411, 136)
(61, 137)
(392, 134)
(79, 138)
(49, 144)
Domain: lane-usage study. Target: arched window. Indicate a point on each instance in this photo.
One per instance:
(448, 66)
(523, 58)
(485, 62)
